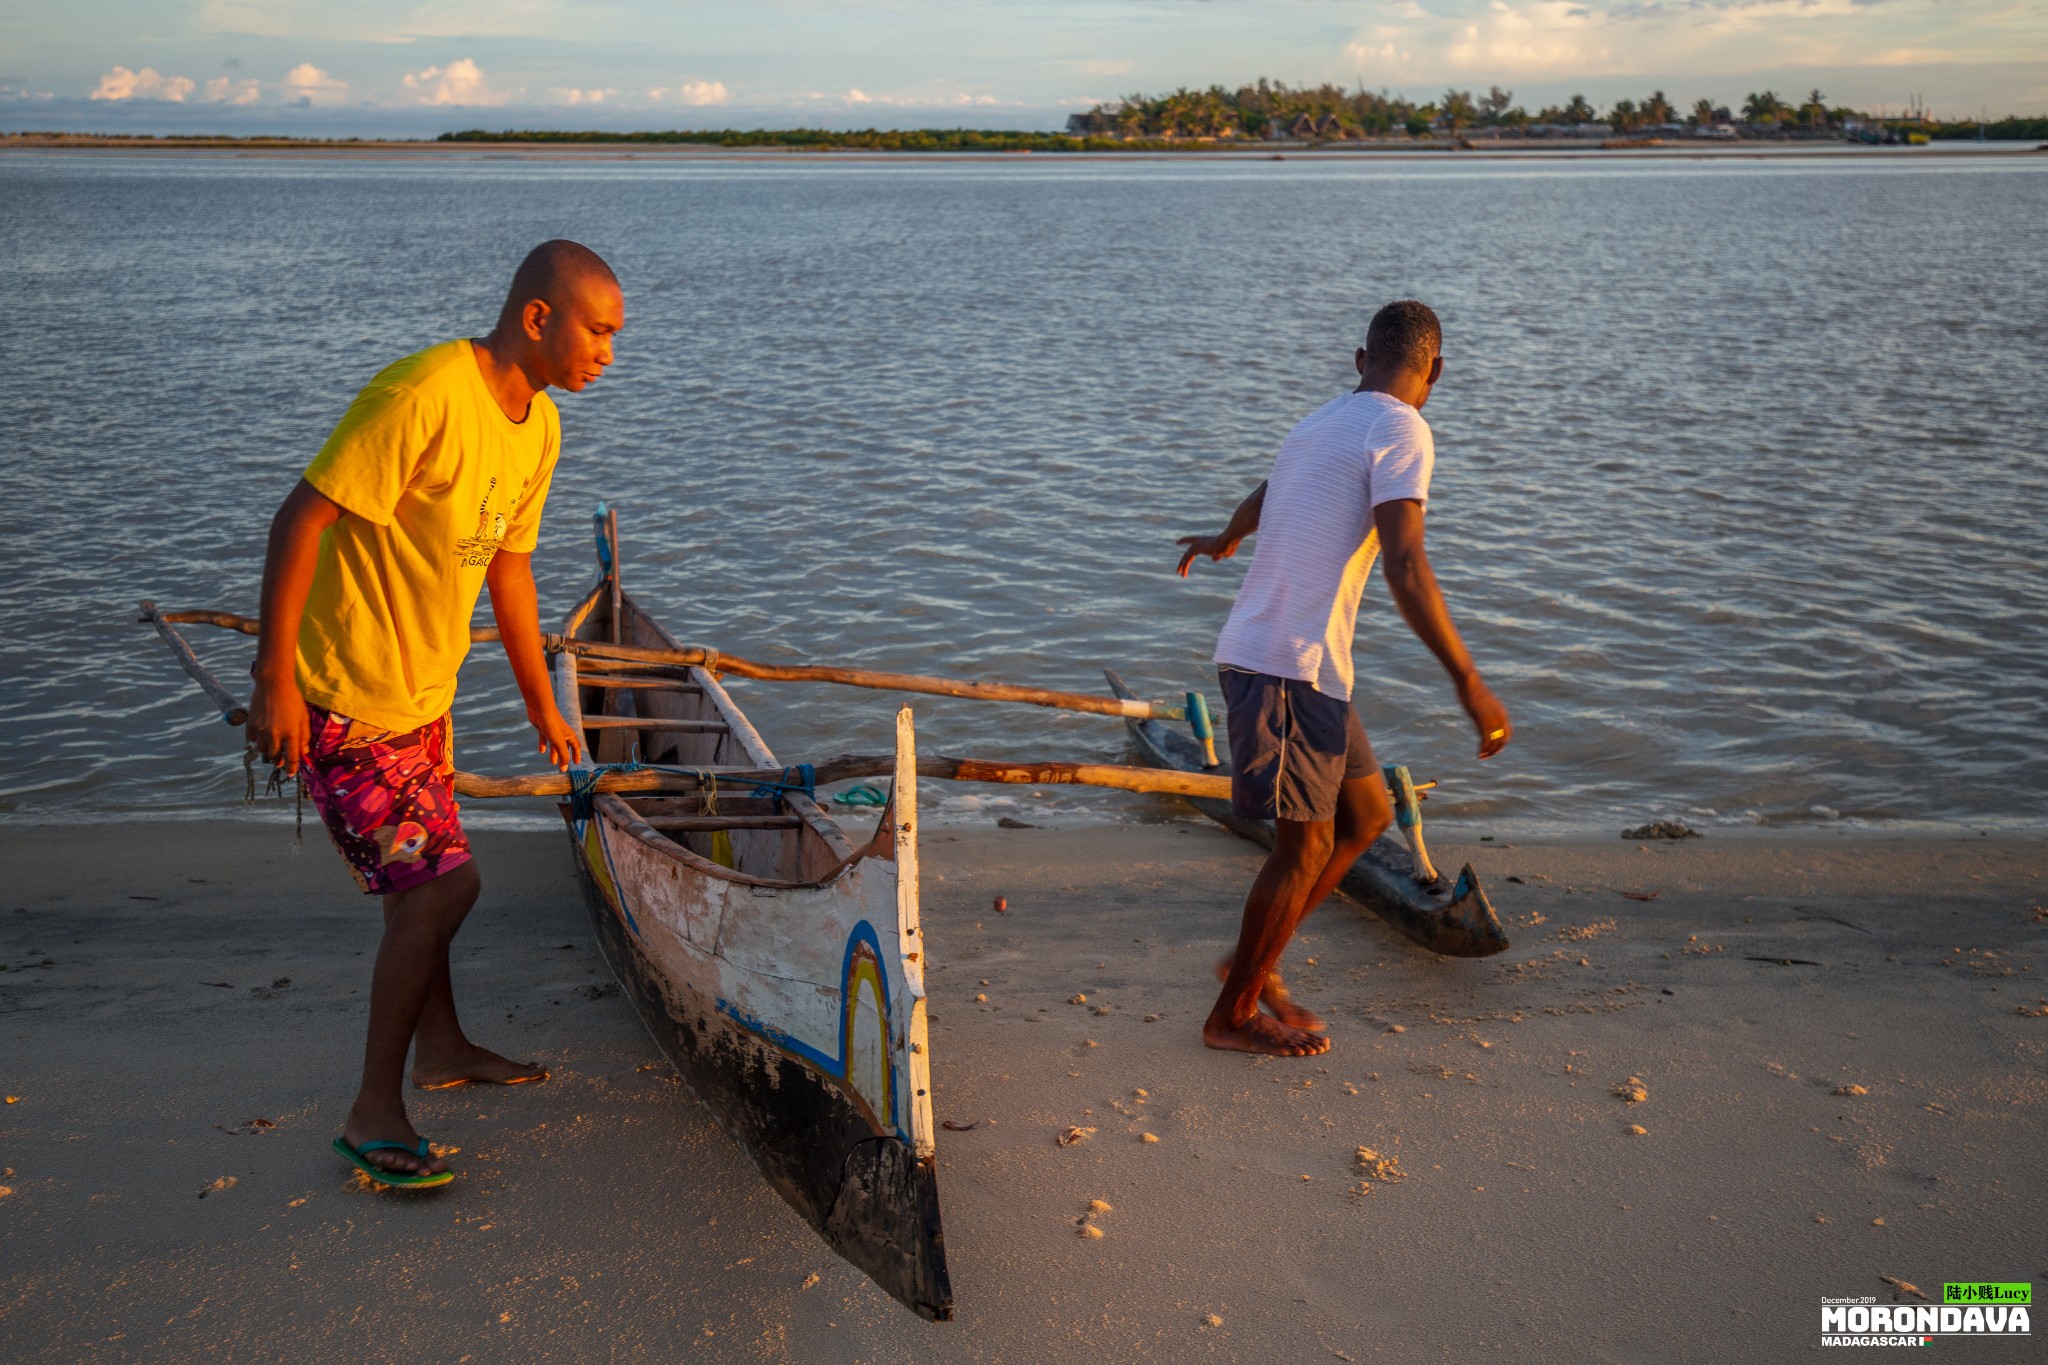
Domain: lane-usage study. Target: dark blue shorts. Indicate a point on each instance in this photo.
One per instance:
(1291, 747)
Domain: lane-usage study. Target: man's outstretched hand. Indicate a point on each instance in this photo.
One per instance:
(1215, 547)
(1489, 717)
(557, 740)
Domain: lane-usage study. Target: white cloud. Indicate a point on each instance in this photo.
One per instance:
(570, 96)
(308, 84)
(146, 84)
(696, 94)
(459, 82)
(1541, 37)
(221, 90)
(859, 96)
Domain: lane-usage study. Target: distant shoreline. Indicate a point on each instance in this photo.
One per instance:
(1558, 149)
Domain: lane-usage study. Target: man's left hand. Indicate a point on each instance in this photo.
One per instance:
(557, 740)
(1215, 547)
(1489, 717)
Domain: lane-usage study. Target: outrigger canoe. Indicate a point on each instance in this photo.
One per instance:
(775, 960)
(1449, 917)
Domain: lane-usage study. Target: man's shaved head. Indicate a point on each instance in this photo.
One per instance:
(552, 272)
(1404, 335)
(560, 316)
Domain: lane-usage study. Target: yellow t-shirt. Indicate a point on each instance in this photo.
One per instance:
(435, 479)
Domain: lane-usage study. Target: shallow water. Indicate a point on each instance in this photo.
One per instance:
(1742, 466)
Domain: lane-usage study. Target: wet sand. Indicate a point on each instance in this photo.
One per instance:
(1842, 1042)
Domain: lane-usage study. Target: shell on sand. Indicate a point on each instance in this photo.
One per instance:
(1383, 1167)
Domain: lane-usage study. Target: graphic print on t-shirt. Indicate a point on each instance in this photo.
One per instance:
(476, 551)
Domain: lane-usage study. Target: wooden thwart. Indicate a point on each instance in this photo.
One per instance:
(848, 766)
(638, 684)
(653, 723)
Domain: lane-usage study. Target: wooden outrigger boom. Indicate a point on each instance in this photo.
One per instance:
(718, 662)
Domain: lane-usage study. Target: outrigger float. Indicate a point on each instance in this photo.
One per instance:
(779, 961)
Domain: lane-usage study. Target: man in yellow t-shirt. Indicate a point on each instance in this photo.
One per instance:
(429, 490)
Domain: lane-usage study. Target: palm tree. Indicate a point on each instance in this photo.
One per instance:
(1623, 115)
(1816, 110)
(1657, 109)
(1703, 114)
(1578, 111)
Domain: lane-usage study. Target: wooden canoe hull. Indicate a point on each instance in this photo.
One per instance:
(1455, 920)
(777, 965)
(812, 1136)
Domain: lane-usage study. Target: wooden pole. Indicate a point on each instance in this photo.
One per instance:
(718, 662)
(610, 532)
(231, 711)
(846, 766)
(226, 620)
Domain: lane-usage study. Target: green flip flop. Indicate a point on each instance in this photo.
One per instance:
(395, 1179)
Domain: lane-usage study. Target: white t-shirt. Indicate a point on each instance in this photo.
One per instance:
(1294, 615)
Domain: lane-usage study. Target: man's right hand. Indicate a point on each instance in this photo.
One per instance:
(279, 725)
(1489, 717)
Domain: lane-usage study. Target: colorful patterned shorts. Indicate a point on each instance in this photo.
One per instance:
(386, 799)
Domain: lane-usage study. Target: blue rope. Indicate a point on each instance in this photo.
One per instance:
(583, 782)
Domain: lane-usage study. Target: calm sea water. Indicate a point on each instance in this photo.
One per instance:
(1742, 476)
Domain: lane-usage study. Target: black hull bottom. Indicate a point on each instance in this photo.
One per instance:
(868, 1196)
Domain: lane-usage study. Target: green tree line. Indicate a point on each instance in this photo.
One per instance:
(1329, 111)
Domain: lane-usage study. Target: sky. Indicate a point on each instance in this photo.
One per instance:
(418, 67)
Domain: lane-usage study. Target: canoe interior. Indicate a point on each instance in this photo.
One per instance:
(726, 738)
(783, 981)
(1453, 918)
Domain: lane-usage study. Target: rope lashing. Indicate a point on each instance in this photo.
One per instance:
(583, 782)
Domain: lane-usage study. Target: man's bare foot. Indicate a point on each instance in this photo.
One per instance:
(1262, 1033)
(365, 1128)
(1278, 1001)
(478, 1064)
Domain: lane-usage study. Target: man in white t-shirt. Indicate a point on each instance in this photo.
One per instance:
(1351, 480)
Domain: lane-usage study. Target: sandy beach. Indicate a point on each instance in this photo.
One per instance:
(1840, 1042)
